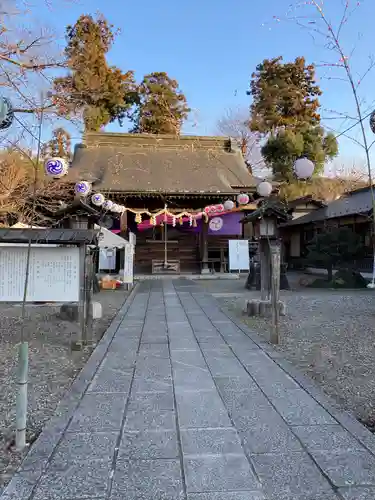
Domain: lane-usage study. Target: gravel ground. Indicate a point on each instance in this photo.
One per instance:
(52, 366)
(329, 335)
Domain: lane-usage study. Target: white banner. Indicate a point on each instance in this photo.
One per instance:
(239, 255)
(128, 263)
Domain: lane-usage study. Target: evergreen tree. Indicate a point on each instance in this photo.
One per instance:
(285, 110)
(59, 145)
(162, 107)
(98, 92)
(338, 247)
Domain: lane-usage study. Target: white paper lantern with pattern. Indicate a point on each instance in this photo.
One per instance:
(56, 167)
(82, 188)
(107, 205)
(116, 208)
(228, 205)
(97, 199)
(264, 189)
(303, 168)
(243, 199)
(372, 122)
(6, 113)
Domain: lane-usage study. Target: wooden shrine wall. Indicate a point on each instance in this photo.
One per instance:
(182, 247)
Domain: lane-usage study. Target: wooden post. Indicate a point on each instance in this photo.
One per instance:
(78, 343)
(88, 338)
(204, 247)
(124, 221)
(21, 398)
(274, 248)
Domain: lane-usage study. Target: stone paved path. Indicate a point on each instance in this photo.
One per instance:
(179, 403)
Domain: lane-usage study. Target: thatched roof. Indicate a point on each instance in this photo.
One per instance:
(134, 163)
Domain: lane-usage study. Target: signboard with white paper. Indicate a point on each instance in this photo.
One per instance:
(239, 255)
(53, 274)
(128, 263)
(132, 238)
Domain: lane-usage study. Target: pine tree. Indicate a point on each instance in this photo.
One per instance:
(98, 92)
(162, 107)
(285, 110)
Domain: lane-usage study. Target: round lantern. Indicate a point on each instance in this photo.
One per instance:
(97, 199)
(229, 205)
(6, 113)
(264, 189)
(82, 188)
(116, 208)
(107, 205)
(213, 209)
(303, 168)
(372, 122)
(243, 199)
(56, 167)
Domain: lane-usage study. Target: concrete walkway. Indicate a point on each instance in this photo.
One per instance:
(180, 403)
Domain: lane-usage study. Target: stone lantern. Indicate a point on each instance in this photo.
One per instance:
(268, 276)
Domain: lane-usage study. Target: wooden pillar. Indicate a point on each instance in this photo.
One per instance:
(264, 255)
(275, 289)
(204, 247)
(89, 282)
(124, 221)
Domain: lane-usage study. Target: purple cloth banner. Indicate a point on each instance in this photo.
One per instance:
(228, 224)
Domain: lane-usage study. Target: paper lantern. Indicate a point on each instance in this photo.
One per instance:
(107, 205)
(97, 199)
(173, 221)
(56, 167)
(243, 199)
(116, 208)
(372, 122)
(228, 205)
(6, 113)
(303, 168)
(213, 209)
(264, 189)
(82, 188)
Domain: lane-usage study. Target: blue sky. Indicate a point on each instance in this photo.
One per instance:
(211, 47)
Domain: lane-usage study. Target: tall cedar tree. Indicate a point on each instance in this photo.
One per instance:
(162, 107)
(59, 145)
(98, 92)
(285, 110)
